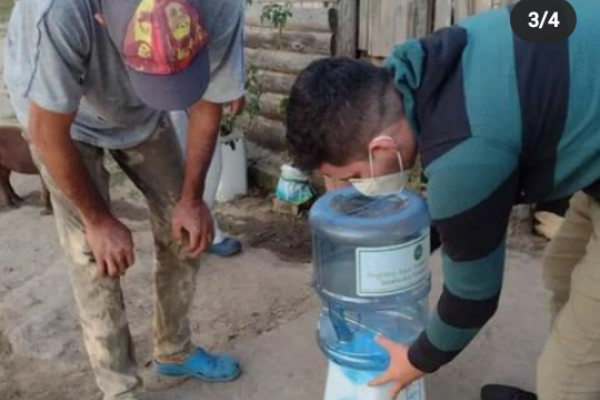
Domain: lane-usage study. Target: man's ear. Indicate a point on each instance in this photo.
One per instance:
(383, 145)
(100, 18)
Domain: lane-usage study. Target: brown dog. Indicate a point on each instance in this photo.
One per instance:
(15, 156)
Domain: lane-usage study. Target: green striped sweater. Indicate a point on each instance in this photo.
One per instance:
(500, 121)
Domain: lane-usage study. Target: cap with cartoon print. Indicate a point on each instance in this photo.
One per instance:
(164, 45)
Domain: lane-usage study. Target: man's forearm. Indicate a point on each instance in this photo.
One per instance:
(50, 134)
(204, 124)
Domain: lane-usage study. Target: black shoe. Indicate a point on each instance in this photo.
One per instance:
(501, 392)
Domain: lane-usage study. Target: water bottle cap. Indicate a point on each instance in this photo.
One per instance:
(349, 217)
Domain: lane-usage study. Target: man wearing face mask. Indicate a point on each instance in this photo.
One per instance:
(497, 121)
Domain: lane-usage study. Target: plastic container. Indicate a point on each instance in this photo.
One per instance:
(234, 175)
(371, 270)
(293, 186)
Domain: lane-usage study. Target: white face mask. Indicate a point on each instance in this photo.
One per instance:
(382, 185)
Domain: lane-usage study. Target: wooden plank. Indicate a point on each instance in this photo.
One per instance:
(409, 17)
(482, 5)
(345, 28)
(363, 25)
(374, 25)
(390, 23)
(296, 2)
(394, 26)
(297, 42)
(423, 14)
(267, 133)
(270, 106)
(280, 61)
(276, 82)
(462, 9)
(503, 3)
(281, 207)
(302, 19)
(443, 14)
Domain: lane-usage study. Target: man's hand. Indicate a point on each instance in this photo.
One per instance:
(111, 243)
(109, 240)
(192, 223)
(401, 373)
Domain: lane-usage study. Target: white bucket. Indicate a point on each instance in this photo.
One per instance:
(234, 175)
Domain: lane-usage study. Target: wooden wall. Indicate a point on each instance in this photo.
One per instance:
(317, 29)
(320, 28)
(385, 23)
(448, 12)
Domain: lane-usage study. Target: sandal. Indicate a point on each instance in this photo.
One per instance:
(203, 366)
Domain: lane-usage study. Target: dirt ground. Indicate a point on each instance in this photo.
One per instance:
(264, 293)
(41, 353)
(287, 236)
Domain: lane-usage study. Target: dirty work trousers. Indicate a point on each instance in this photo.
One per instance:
(569, 368)
(156, 168)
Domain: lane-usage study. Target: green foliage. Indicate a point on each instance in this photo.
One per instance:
(278, 15)
(283, 106)
(228, 123)
(252, 110)
(254, 91)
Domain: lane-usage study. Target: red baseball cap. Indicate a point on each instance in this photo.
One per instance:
(164, 45)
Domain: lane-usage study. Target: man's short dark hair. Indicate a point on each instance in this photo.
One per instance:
(336, 107)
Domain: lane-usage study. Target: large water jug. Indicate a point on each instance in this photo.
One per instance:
(371, 270)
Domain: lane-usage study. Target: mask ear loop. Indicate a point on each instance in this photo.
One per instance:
(401, 169)
(400, 161)
(401, 164)
(371, 164)
(371, 154)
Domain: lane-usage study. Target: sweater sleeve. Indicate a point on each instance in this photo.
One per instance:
(471, 191)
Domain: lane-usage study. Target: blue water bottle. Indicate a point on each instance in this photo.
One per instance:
(371, 271)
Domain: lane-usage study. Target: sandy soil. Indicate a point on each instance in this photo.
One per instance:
(41, 353)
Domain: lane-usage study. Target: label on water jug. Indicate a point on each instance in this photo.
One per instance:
(385, 271)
